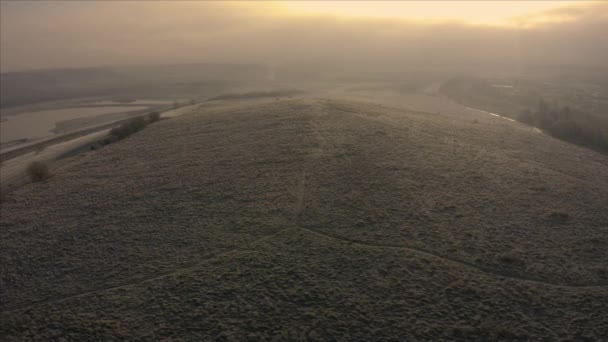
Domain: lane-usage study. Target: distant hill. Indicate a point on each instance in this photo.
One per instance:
(28, 87)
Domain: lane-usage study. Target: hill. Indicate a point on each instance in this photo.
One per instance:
(313, 218)
(22, 88)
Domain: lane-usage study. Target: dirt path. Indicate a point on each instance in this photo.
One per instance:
(325, 146)
(150, 277)
(324, 149)
(463, 263)
(299, 208)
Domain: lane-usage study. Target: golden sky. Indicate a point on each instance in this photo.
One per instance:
(48, 34)
(500, 13)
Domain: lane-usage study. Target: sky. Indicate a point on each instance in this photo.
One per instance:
(498, 13)
(389, 34)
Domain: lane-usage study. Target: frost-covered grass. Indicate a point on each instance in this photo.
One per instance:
(318, 219)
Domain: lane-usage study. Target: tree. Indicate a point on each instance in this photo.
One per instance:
(526, 117)
(154, 116)
(543, 107)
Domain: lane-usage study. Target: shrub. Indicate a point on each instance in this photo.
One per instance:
(119, 132)
(510, 258)
(567, 130)
(566, 124)
(107, 141)
(257, 94)
(526, 117)
(38, 171)
(154, 116)
(558, 217)
(137, 124)
(128, 128)
(601, 271)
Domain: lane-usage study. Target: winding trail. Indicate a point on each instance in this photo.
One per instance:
(323, 142)
(151, 277)
(324, 149)
(428, 253)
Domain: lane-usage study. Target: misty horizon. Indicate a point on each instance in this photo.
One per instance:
(65, 35)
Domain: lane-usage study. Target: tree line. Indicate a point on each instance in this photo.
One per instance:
(573, 126)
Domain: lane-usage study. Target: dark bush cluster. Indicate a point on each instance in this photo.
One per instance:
(558, 217)
(133, 125)
(154, 116)
(128, 128)
(38, 171)
(257, 94)
(510, 259)
(563, 123)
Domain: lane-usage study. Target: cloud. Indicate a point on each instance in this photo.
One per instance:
(572, 13)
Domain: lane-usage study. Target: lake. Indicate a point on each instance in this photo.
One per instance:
(36, 125)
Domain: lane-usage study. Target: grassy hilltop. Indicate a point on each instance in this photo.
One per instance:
(316, 219)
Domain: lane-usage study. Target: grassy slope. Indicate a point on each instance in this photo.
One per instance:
(314, 219)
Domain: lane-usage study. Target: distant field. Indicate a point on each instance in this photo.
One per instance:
(147, 82)
(315, 219)
(257, 94)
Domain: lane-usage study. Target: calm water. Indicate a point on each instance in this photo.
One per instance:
(34, 125)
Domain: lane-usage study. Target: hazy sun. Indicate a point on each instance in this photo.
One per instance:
(471, 12)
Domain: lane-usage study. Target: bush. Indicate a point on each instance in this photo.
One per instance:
(566, 124)
(137, 124)
(526, 117)
(567, 130)
(154, 116)
(38, 171)
(510, 258)
(558, 217)
(107, 141)
(128, 128)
